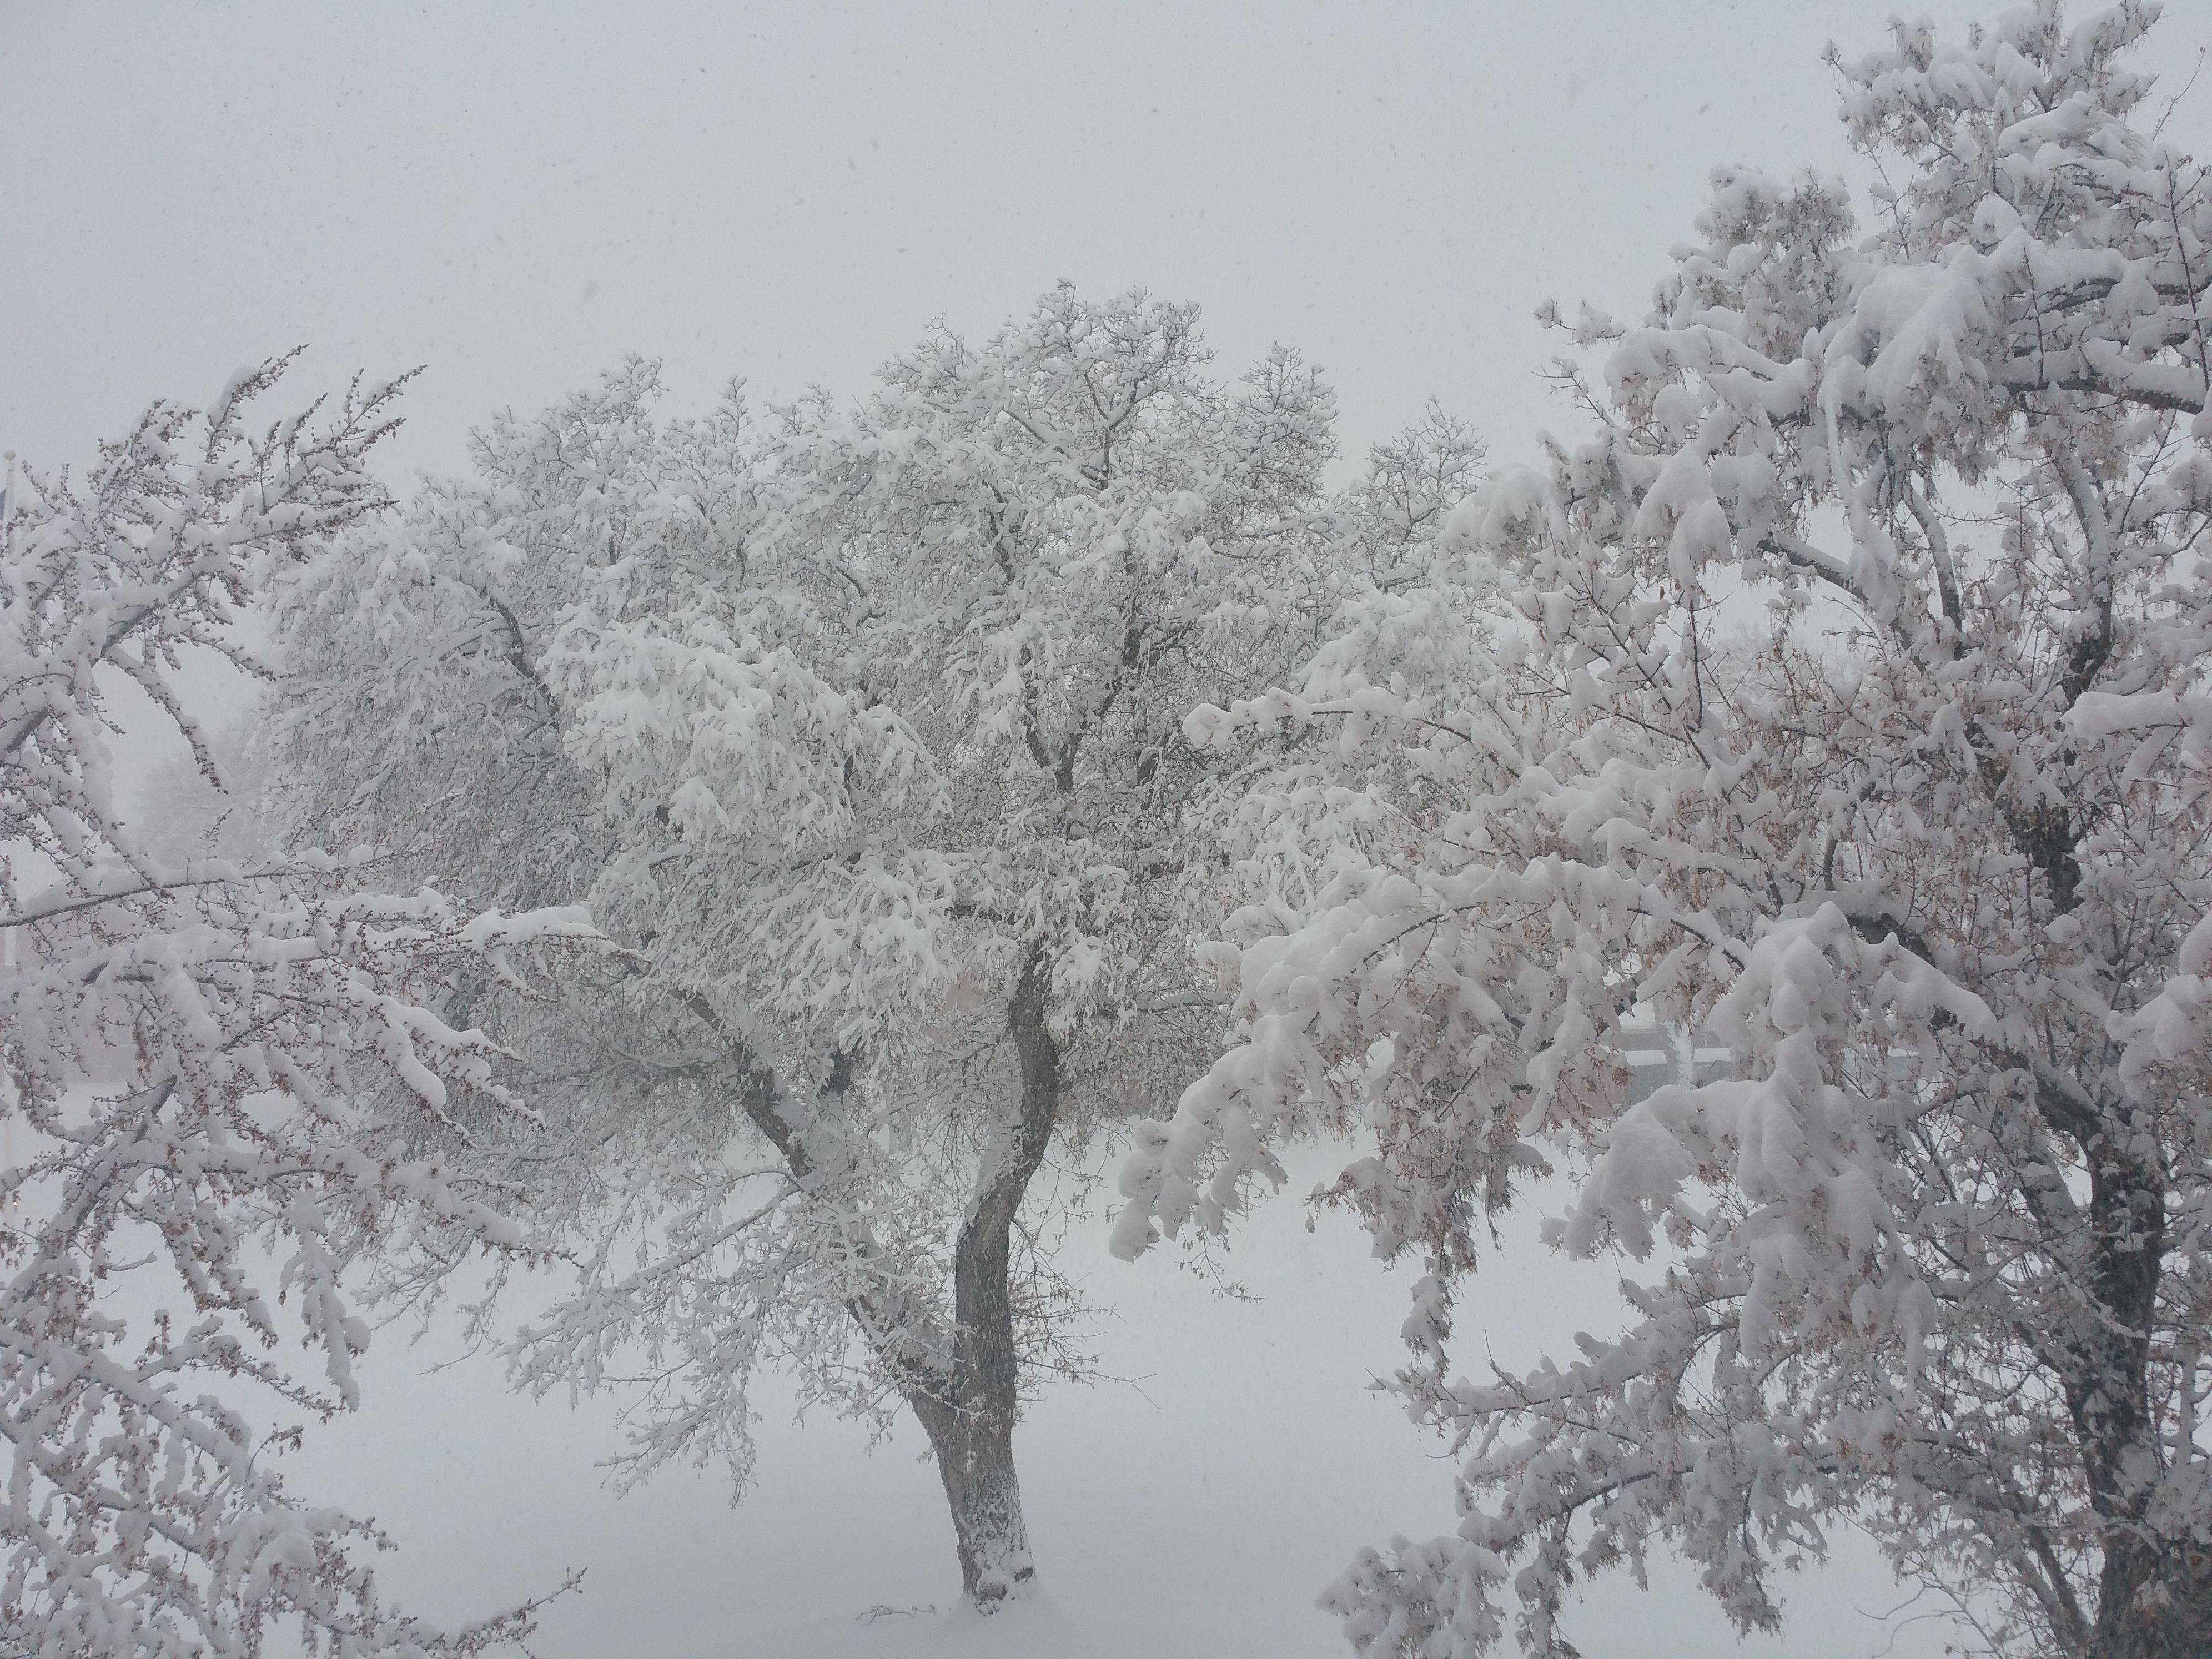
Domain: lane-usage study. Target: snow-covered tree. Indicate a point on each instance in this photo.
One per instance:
(1844, 693)
(861, 727)
(213, 1070)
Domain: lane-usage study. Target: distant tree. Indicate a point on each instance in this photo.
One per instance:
(1927, 848)
(862, 730)
(213, 1070)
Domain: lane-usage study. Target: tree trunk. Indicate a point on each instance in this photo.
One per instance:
(975, 1461)
(2163, 1603)
(968, 1407)
(972, 1432)
(2155, 1593)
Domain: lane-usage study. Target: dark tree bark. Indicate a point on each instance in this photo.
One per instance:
(968, 1406)
(2154, 1591)
(970, 1418)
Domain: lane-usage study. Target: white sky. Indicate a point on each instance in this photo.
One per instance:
(518, 198)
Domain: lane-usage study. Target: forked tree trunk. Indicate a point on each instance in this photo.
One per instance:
(972, 1432)
(968, 1408)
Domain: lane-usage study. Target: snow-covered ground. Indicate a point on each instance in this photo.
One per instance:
(1194, 1508)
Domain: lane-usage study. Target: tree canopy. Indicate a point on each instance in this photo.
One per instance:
(222, 1065)
(861, 728)
(1841, 692)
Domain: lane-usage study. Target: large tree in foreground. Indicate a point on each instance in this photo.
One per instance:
(214, 1073)
(862, 729)
(1843, 694)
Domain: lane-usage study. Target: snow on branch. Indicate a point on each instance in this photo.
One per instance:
(1842, 695)
(233, 1082)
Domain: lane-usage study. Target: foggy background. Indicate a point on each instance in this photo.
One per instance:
(518, 196)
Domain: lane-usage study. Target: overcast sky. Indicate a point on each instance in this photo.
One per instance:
(516, 197)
